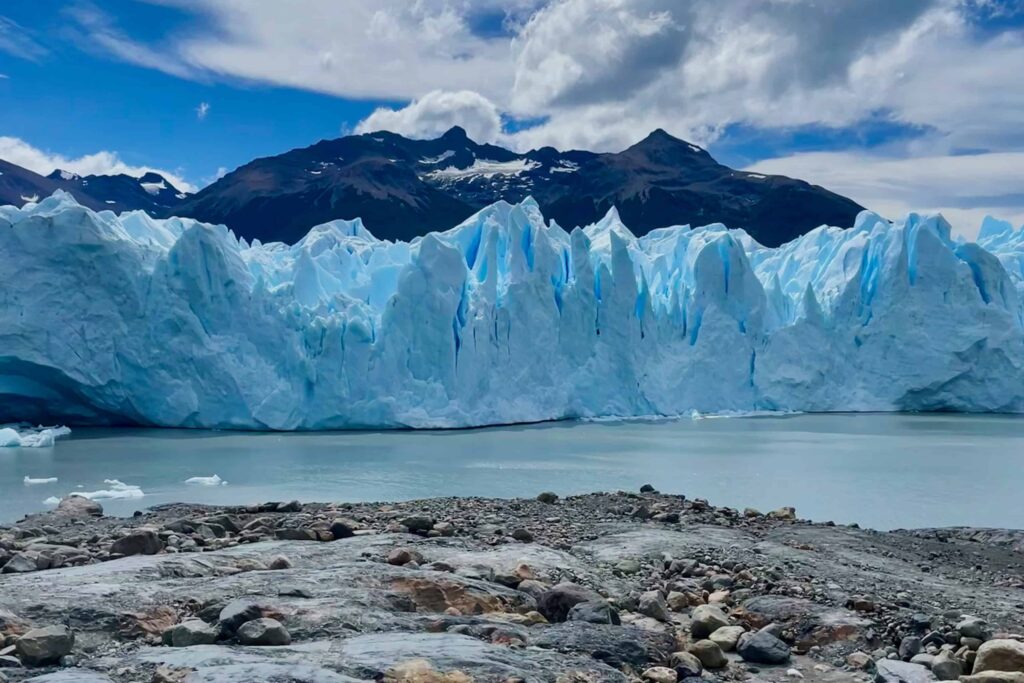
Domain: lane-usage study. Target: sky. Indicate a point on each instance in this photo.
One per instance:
(899, 104)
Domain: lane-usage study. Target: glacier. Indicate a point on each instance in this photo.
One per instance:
(506, 318)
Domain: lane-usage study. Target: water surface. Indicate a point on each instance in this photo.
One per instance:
(882, 471)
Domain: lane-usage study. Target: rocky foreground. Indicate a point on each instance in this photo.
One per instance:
(600, 587)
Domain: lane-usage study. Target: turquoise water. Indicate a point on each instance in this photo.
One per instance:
(882, 471)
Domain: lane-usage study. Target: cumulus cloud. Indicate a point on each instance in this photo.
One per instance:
(23, 154)
(436, 112)
(964, 188)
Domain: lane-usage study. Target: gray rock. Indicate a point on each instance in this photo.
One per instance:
(762, 648)
(263, 632)
(1000, 655)
(556, 602)
(296, 535)
(973, 627)
(45, 645)
(403, 556)
(418, 523)
(613, 645)
(78, 506)
(9, 662)
(653, 605)
(343, 527)
(706, 619)
(909, 646)
(23, 562)
(594, 612)
(190, 632)
(627, 566)
(727, 637)
(522, 535)
(138, 542)
(895, 671)
(547, 497)
(946, 667)
(236, 613)
(686, 664)
(709, 654)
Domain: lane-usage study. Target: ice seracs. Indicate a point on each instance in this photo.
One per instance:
(504, 318)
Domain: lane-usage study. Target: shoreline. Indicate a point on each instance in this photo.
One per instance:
(477, 587)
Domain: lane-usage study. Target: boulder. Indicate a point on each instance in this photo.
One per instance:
(660, 674)
(263, 632)
(45, 645)
(547, 497)
(974, 627)
(24, 562)
(946, 667)
(895, 671)
(709, 654)
(190, 632)
(522, 535)
(78, 506)
(762, 648)
(727, 637)
(994, 677)
(706, 619)
(556, 602)
(418, 524)
(138, 542)
(236, 613)
(343, 527)
(653, 605)
(1000, 655)
(403, 556)
(686, 664)
(594, 612)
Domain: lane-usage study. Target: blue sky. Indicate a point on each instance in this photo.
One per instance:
(909, 105)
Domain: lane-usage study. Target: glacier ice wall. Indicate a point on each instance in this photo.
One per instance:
(503, 319)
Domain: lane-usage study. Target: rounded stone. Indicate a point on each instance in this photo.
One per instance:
(263, 632)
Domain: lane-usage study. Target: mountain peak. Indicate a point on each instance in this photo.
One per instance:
(455, 133)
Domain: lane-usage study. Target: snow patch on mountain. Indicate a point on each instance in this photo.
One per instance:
(504, 318)
(484, 168)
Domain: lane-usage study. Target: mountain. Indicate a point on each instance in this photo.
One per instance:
(152, 192)
(505, 318)
(402, 188)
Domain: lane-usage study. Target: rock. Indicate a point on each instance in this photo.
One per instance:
(9, 662)
(343, 527)
(784, 513)
(971, 643)
(613, 645)
(909, 646)
(653, 605)
(291, 534)
(895, 671)
(660, 674)
(859, 660)
(973, 627)
(547, 497)
(727, 637)
(627, 566)
(924, 659)
(279, 562)
(78, 506)
(403, 556)
(709, 654)
(45, 645)
(190, 632)
(236, 613)
(418, 524)
(762, 648)
(706, 619)
(138, 542)
(594, 612)
(647, 488)
(999, 655)
(946, 667)
(23, 562)
(522, 535)
(444, 529)
(556, 602)
(994, 677)
(291, 506)
(686, 664)
(263, 632)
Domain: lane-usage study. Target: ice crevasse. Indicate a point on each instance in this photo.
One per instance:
(505, 318)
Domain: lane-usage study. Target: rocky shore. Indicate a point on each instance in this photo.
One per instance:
(599, 587)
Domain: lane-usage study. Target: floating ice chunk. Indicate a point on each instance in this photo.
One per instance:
(52, 500)
(29, 481)
(206, 481)
(31, 437)
(118, 490)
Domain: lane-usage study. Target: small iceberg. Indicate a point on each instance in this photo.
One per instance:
(29, 481)
(118, 489)
(206, 481)
(52, 500)
(30, 437)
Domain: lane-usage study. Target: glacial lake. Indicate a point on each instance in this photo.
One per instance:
(880, 470)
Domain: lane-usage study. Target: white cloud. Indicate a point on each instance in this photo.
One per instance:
(18, 41)
(21, 153)
(964, 188)
(202, 110)
(436, 112)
